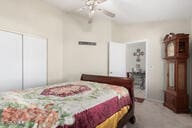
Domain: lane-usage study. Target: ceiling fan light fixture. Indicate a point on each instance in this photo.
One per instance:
(91, 14)
(92, 6)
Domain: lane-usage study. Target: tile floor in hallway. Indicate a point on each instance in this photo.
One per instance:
(139, 92)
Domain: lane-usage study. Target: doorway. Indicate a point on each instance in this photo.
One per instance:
(130, 60)
(136, 66)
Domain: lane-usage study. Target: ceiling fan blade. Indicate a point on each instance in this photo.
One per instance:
(101, 1)
(82, 9)
(108, 13)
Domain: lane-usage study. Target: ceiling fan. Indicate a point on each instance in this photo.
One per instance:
(93, 6)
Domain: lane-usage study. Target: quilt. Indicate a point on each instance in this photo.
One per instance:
(64, 105)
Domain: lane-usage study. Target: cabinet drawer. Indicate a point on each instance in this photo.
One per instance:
(170, 100)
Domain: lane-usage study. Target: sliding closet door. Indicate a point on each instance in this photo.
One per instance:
(10, 61)
(34, 62)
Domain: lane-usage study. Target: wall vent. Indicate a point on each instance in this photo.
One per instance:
(87, 43)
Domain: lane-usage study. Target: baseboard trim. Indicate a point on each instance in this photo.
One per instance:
(154, 100)
(161, 102)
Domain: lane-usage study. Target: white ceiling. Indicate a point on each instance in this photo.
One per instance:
(129, 11)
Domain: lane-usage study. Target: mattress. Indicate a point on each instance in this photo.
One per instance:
(67, 105)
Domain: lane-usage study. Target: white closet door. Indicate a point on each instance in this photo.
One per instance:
(117, 59)
(34, 62)
(11, 61)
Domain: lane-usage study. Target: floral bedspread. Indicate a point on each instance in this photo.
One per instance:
(52, 106)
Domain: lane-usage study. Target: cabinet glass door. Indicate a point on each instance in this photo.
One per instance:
(171, 75)
(182, 46)
(171, 49)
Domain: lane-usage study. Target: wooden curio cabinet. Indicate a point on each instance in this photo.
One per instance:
(176, 55)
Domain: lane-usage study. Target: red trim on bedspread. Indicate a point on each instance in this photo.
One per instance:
(94, 116)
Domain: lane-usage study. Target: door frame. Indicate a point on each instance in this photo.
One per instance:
(146, 62)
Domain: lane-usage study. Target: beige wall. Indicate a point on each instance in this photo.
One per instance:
(154, 34)
(85, 59)
(37, 18)
(191, 25)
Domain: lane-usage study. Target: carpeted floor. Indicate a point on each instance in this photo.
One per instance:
(154, 115)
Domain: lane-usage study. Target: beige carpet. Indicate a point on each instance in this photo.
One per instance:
(154, 115)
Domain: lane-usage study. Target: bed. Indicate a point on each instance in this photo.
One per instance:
(92, 102)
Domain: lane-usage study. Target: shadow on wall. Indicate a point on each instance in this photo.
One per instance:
(164, 66)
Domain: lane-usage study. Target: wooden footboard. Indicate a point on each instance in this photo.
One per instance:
(119, 81)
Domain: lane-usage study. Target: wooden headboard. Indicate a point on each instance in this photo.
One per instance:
(119, 81)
